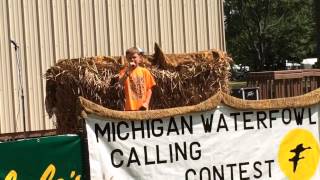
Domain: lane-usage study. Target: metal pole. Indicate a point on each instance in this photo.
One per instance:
(19, 65)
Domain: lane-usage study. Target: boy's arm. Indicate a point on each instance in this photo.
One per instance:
(148, 97)
(150, 83)
(126, 73)
(124, 76)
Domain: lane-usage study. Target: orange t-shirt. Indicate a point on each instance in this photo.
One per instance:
(136, 86)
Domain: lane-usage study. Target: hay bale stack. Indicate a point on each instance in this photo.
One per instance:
(182, 80)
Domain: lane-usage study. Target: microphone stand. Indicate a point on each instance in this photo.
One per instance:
(16, 48)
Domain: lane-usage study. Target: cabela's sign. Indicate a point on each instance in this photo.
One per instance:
(43, 158)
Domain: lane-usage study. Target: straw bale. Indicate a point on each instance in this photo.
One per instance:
(182, 80)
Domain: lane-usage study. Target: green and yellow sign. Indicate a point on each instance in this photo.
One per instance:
(45, 158)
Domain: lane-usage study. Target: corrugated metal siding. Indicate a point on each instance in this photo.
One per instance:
(49, 30)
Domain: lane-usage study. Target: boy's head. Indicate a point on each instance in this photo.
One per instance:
(134, 55)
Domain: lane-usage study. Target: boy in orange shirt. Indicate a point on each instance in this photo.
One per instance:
(137, 82)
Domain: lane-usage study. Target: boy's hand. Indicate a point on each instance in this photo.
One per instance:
(144, 106)
(132, 65)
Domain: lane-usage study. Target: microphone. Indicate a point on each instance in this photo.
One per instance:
(14, 44)
(132, 64)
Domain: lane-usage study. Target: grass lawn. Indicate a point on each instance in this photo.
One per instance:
(237, 84)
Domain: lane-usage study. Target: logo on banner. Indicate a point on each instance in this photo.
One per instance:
(298, 154)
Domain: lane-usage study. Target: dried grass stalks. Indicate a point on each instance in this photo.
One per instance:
(182, 80)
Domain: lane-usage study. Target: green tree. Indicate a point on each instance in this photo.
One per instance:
(265, 33)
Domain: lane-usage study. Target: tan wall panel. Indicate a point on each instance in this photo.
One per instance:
(220, 13)
(202, 26)
(127, 25)
(74, 30)
(15, 23)
(178, 28)
(33, 76)
(190, 26)
(49, 30)
(114, 27)
(6, 96)
(212, 34)
(60, 30)
(101, 27)
(88, 25)
(46, 52)
(165, 25)
(152, 24)
(140, 23)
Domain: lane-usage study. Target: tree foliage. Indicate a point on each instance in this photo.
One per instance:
(265, 33)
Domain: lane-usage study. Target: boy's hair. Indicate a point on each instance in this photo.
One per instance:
(133, 50)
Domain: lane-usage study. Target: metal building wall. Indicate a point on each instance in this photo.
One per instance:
(49, 30)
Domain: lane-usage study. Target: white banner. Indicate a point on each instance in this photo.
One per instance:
(223, 143)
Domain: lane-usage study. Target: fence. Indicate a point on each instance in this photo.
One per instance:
(25, 135)
(279, 84)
